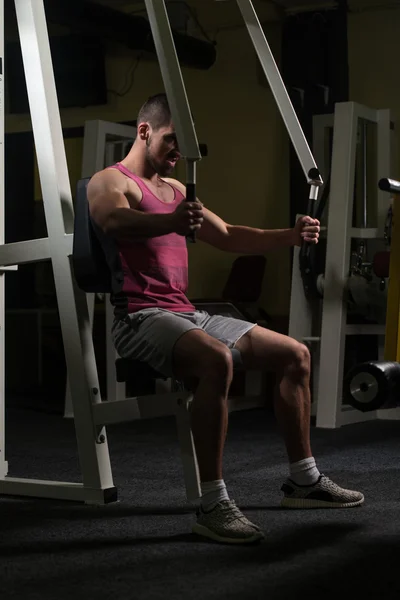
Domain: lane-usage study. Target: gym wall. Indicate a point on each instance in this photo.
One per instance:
(373, 51)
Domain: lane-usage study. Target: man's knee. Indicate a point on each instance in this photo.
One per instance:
(198, 355)
(216, 361)
(299, 363)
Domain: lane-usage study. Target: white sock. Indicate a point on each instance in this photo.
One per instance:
(304, 472)
(212, 492)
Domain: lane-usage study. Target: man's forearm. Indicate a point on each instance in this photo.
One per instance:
(249, 240)
(127, 223)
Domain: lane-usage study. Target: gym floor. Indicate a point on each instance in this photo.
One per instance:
(142, 548)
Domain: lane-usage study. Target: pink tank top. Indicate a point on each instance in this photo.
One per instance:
(155, 269)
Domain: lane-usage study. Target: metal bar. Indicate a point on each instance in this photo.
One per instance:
(301, 310)
(3, 463)
(364, 161)
(281, 95)
(25, 252)
(31, 251)
(173, 80)
(57, 197)
(188, 451)
(349, 417)
(153, 405)
(392, 337)
(384, 164)
(56, 490)
(366, 113)
(370, 233)
(336, 266)
(93, 142)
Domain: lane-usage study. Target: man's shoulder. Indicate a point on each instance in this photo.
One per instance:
(107, 180)
(176, 183)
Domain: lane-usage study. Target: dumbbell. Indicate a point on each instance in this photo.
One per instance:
(373, 385)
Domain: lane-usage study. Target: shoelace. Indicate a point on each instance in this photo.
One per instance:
(231, 511)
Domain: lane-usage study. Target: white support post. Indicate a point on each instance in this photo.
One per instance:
(77, 336)
(301, 310)
(337, 266)
(330, 412)
(384, 164)
(3, 462)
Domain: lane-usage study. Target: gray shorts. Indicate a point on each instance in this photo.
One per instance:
(150, 335)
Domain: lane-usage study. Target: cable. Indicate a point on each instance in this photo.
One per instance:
(132, 69)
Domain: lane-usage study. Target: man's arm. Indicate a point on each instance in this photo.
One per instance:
(241, 239)
(110, 209)
(249, 240)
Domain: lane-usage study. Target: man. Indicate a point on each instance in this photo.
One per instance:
(136, 203)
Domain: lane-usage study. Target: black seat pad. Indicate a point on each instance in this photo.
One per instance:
(135, 370)
(91, 271)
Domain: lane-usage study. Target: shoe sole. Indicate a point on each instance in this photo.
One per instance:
(208, 533)
(304, 503)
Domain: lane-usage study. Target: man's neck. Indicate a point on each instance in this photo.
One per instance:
(136, 163)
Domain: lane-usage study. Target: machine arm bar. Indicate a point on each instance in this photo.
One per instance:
(281, 95)
(172, 78)
(175, 90)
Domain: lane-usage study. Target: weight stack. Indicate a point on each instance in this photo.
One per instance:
(372, 386)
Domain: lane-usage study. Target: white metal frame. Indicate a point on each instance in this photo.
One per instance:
(74, 318)
(328, 344)
(3, 462)
(90, 413)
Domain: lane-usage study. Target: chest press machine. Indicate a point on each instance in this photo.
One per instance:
(375, 385)
(84, 251)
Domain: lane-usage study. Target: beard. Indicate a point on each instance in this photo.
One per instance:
(162, 168)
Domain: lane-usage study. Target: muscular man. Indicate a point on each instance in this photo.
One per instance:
(137, 204)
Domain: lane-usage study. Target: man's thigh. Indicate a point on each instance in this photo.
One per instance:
(264, 349)
(150, 335)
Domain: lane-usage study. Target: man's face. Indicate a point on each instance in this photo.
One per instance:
(162, 150)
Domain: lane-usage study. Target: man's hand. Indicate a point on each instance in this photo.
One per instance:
(187, 217)
(306, 229)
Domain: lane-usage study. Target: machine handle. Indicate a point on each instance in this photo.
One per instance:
(389, 185)
(191, 197)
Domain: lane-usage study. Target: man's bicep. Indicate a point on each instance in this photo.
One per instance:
(214, 230)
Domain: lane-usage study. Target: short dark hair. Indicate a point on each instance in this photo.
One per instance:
(155, 111)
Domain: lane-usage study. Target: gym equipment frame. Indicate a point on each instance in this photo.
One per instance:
(375, 385)
(90, 413)
(326, 334)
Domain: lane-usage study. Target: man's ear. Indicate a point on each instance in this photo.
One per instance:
(143, 131)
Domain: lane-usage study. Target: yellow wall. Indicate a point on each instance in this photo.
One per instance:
(373, 51)
(241, 179)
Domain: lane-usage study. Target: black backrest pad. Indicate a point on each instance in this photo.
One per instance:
(91, 270)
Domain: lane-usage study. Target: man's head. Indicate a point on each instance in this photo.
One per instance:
(157, 134)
